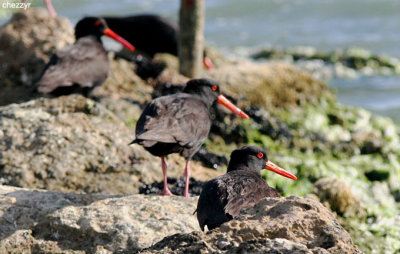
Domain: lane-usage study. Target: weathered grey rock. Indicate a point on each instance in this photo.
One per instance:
(305, 225)
(68, 144)
(44, 221)
(72, 143)
(123, 83)
(337, 196)
(52, 222)
(27, 42)
(195, 243)
(277, 245)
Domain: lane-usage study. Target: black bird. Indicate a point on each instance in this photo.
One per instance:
(180, 123)
(83, 65)
(150, 34)
(223, 198)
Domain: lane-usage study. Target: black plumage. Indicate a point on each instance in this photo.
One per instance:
(170, 125)
(81, 66)
(180, 123)
(151, 34)
(223, 198)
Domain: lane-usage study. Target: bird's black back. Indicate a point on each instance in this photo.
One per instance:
(224, 197)
(177, 123)
(150, 34)
(76, 68)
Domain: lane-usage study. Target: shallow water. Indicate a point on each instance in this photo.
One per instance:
(380, 94)
(324, 24)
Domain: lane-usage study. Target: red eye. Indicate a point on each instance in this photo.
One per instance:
(260, 155)
(97, 23)
(214, 88)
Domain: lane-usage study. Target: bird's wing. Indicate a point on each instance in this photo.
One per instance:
(246, 192)
(210, 206)
(174, 119)
(84, 63)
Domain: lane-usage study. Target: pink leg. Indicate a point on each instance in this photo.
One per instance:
(165, 191)
(187, 176)
(50, 7)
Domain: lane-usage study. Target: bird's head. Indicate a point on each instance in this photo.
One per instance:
(255, 158)
(209, 91)
(98, 27)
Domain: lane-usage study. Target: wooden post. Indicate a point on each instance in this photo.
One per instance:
(190, 43)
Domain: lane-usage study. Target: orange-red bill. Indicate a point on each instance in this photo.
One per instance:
(275, 168)
(227, 103)
(208, 63)
(110, 33)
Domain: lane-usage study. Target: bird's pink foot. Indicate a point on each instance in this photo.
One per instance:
(166, 192)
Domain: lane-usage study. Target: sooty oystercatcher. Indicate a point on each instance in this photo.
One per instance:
(150, 34)
(223, 198)
(83, 65)
(180, 123)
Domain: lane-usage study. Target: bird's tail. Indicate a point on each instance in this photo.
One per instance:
(133, 142)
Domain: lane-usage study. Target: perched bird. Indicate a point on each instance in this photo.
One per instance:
(83, 65)
(180, 123)
(151, 34)
(223, 198)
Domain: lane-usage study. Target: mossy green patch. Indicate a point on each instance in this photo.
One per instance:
(332, 140)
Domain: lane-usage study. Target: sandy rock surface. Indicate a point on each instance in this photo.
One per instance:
(286, 224)
(45, 221)
(40, 221)
(72, 143)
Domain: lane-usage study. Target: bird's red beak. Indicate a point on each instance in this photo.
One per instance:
(110, 33)
(227, 103)
(274, 168)
(208, 63)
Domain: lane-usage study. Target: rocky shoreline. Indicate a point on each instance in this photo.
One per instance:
(53, 222)
(341, 63)
(76, 149)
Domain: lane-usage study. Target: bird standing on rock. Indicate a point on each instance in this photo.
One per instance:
(223, 198)
(180, 123)
(82, 66)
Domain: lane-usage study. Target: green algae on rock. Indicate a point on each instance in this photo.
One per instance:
(345, 62)
(270, 86)
(327, 140)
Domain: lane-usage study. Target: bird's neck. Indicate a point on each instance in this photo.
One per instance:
(242, 166)
(92, 36)
(204, 98)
